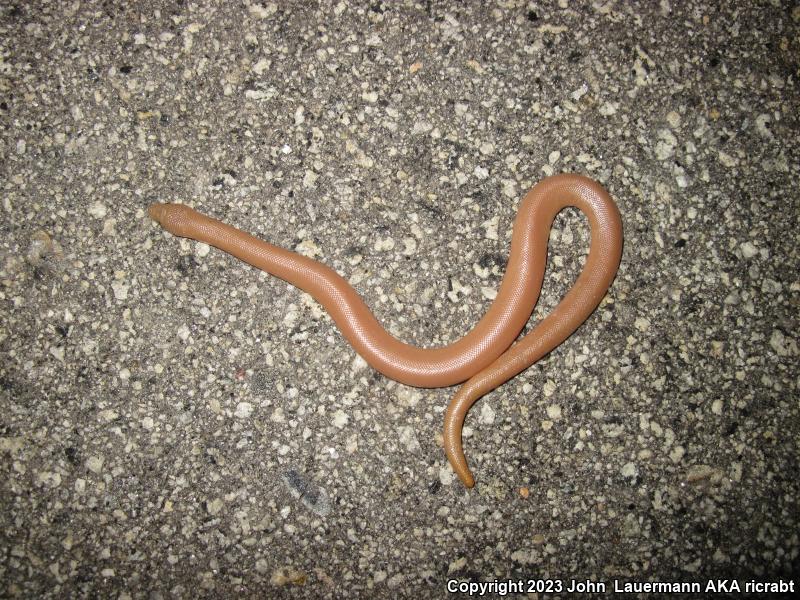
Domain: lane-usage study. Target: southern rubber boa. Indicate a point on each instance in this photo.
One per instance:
(485, 357)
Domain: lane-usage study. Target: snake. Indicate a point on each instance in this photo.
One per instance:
(488, 355)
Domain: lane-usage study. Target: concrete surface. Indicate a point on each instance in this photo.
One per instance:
(176, 424)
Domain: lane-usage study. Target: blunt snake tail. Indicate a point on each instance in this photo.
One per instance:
(487, 356)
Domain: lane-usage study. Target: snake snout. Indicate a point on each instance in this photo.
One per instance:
(156, 212)
(175, 218)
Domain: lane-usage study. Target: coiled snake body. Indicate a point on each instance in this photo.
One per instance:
(485, 357)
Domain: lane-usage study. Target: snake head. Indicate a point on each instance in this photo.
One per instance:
(174, 218)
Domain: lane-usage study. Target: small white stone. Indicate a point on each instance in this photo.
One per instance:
(553, 157)
(108, 415)
(120, 290)
(510, 189)
(340, 418)
(308, 248)
(482, 272)
(487, 414)
(481, 172)
(408, 396)
(98, 210)
(761, 126)
(109, 226)
(384, 244)
(748, 249)
(262, 12)
(727, 160)
(446, 475)
(201, 249)
(629, 470)
(95, 464)
(607, 109)
(262, 95)
(782, 345)
(674, 119)
(49, 478)
(309, 178)
(243, 410)
(668, 142)
(579, 93)
(676, 455)
(57, 352)
(215, 506)
(183, 332)
(554, 412)
(491, 227)
(261, 66)
(456, 565)
(458, 290)
(421, 127)
(408, 437)
(358, 364)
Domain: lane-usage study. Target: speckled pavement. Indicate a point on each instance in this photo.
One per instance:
(176, 424)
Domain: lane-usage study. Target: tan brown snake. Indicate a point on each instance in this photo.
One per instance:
(485, 357)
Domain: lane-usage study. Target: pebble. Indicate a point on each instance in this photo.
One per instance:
(487, 414)
(665, 146)
(215, 506)
(243, 410)
(98, 210)
(630, 471)
(340, 419)
(554, 412)
(95, 464)
(748, 249)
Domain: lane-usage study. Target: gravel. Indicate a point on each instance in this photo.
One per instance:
(176, 424)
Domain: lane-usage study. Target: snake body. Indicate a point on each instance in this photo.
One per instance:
(485, 357)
